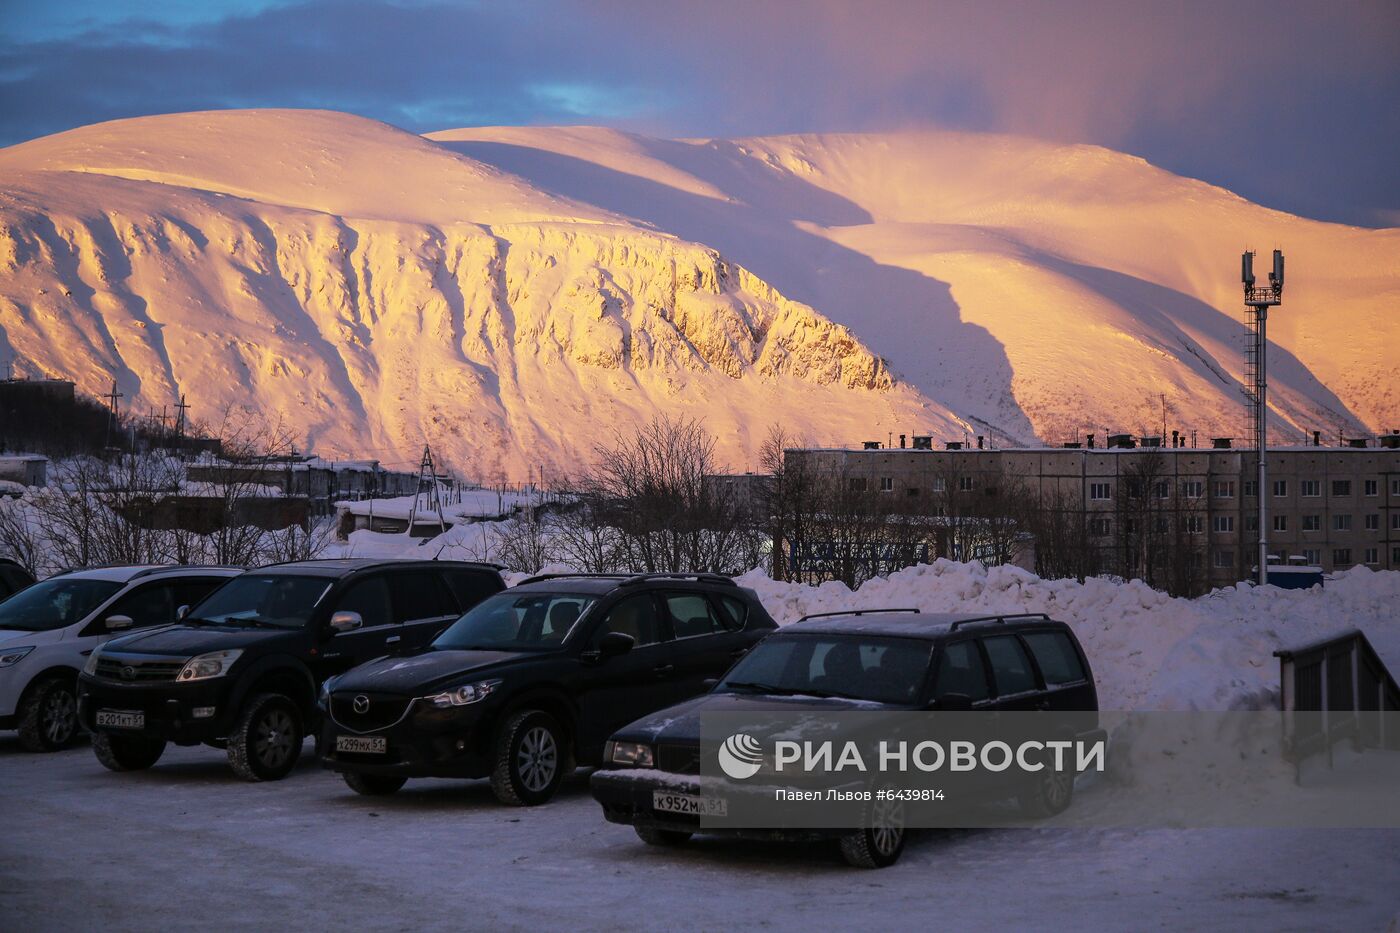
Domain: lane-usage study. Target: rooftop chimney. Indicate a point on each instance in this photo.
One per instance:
(901, 442)
(980, 444)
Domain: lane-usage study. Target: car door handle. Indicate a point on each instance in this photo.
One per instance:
(393, 639)
(663, 669)
(1043, 704)
(738, 653)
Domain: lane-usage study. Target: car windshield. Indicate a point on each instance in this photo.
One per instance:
(882, 670)
(53, 604)
(280, 600)
(517, 622)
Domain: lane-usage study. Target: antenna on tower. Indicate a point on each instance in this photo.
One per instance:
(1258, 299)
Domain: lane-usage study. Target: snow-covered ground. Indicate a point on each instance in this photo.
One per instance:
(188, 845)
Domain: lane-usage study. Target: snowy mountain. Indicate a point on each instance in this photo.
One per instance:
(513, 295)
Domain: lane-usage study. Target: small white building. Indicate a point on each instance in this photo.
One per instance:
(24, 469)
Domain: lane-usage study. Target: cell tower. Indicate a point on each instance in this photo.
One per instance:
(1258, 299)
(429, 492)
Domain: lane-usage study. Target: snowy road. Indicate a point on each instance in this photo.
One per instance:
(188, 845)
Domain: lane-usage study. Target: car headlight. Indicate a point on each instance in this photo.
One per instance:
(205, 666)
(10, 656)
(463, 695)
(325, 696)
(91, 666)
(635, 754)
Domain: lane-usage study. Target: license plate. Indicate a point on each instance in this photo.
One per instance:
(362, 744)
(121, 719)
(688, 803)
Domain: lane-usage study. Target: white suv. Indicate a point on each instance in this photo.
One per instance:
(48, 630)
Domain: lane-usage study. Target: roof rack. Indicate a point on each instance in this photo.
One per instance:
(854, 612)
(635, 579)
(1001, 619)
(541, 577)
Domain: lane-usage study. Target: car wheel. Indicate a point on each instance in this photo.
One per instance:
(265, 743)
(530, 759)
(127, 752)
(48, 718)
(373, 785)
(882, 843)
(1051, 794)
(669, 838)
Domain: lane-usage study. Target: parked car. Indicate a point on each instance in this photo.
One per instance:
(533, 681)
(241, 670)
(13, 578)
(870, 660)
(49, 630)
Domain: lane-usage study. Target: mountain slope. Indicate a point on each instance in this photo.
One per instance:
(513, 295)
(511, 328)
(1042, 288)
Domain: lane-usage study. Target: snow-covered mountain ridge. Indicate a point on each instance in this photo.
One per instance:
(512, 295)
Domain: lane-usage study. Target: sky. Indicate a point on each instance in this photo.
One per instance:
(1295, 105)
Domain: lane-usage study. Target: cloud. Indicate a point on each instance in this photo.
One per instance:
(1290, 103)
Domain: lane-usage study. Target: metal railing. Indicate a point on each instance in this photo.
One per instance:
(1334, 690)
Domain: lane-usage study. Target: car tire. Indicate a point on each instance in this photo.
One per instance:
(48, 716)
(373, 785)
(667, 838)
(531, 759)
(1051, 794)
(265, 743)
(127, 752)
(882, 843)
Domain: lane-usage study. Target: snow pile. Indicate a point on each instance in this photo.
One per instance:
(1148, 650)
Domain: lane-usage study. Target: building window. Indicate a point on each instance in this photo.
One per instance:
(1251, 488)
(1395, 487)
(1372, 556)
(1100, 491)
(1223, 524)
(965, 483)
(1395, 555)
(1395, 521)
(1340, 556)
(1280, 488)
(1162, 490)
(1193, 488)
(1251, 523)
(938, 485)
(1373, 487)
(1312, 487)
(858, 484)
(1161, 525)
(1312, 556)
(1224, 489)
(1341, 487)
(1225, 558)
(1341, 523)
(1280, 523)
(887, 484)
(1193, 524)
(911, 491)
(1100, 526)
(1373, 523)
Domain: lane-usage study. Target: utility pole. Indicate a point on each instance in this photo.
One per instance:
(180, 410)
(1258, 299)
(111, 398)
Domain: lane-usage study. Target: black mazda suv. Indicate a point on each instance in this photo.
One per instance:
(533, 680)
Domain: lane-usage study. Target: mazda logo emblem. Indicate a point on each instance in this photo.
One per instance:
(128, 673)
(361, 704)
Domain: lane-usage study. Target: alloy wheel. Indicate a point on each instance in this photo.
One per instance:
(272, 741)
(59, 717)
(537, 759)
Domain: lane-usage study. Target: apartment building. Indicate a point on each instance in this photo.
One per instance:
(1335, 507)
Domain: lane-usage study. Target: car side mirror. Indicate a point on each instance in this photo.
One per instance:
(346, 621)
(953, 703)
(182, 612)
(611, 645)
(119, 623)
